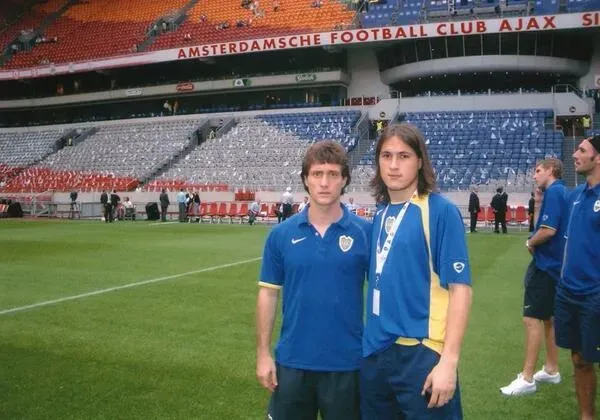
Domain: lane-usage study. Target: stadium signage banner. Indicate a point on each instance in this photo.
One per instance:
(134, 92)
(241, 82)
(184, 87)
(306, 77)
(346, 37)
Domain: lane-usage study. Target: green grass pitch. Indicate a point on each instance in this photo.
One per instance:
(183, 347)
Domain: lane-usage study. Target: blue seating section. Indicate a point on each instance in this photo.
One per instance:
(583, 5)
(407, 12)
(546, 7)
(479, 147)
(315, 126)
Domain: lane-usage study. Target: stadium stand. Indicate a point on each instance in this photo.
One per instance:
(293, 17)
(263, 152)
(19, 150)
(115, 155)
(94, 29)
(400, 12)
(103, 28)
(479, 147)
(135, 150)
(31, 20)
(319, 125)
(38, 180)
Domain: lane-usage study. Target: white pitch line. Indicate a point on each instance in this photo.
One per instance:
(125, 286)
(162, 223)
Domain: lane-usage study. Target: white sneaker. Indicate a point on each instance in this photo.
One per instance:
(519, 387)
(544, 377)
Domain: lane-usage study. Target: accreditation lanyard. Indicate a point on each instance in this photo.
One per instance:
(383, 252)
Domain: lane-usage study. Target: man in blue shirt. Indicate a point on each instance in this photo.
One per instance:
(181, 200)
(318, 259)
(419, 293)
(577, 312)
(547, 247)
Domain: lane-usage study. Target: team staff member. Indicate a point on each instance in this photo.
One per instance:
(474, 209)
(531, 212)
(547, 247)
(419, 293)
(499, 205)
(577, 317)
(318, 259)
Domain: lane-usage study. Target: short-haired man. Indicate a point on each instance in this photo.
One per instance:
(577, 311)
(419, 293)
(546, 246)
(474, 209)
(164, 204)
(499, 206)
(318, 259)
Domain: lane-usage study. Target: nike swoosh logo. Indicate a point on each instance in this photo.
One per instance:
(295, 241)
(576, 202)
(527, 307)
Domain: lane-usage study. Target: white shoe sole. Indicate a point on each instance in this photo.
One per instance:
(550, 380)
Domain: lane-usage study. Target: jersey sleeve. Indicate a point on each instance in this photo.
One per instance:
(449, 248)
(553, 209)
(271, 273)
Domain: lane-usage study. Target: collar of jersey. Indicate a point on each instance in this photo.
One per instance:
(595, 189)
(344, 222)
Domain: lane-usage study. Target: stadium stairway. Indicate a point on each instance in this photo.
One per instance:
(203, 127)
(48, 20)
(182, 14)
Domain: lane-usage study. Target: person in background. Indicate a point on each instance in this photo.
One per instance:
(163, 198)
(546, 245)
(474, 209)
(531, 212)
(105, 206)
(253, 212)
(577, 310)
(287, 199)
(499, 206)
(181, 201)
(114, 203)
(196, 199)
(303, 204)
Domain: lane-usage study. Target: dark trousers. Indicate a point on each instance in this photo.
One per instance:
(163, 213)
(500, 219)
(287, 211)
(303, 394)
(108, 213)
(473, 222)
(531, 225)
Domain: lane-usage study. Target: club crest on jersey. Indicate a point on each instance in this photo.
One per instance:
(458, 267)
(545, 217)
(346, 243)
(389, 222)
(597, 206)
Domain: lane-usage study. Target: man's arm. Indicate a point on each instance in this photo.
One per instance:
(543, 234)
(442, 380)
(266, 307)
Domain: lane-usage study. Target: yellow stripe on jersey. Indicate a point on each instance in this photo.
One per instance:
(269, 285)
(438, 296)
(436, 346)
